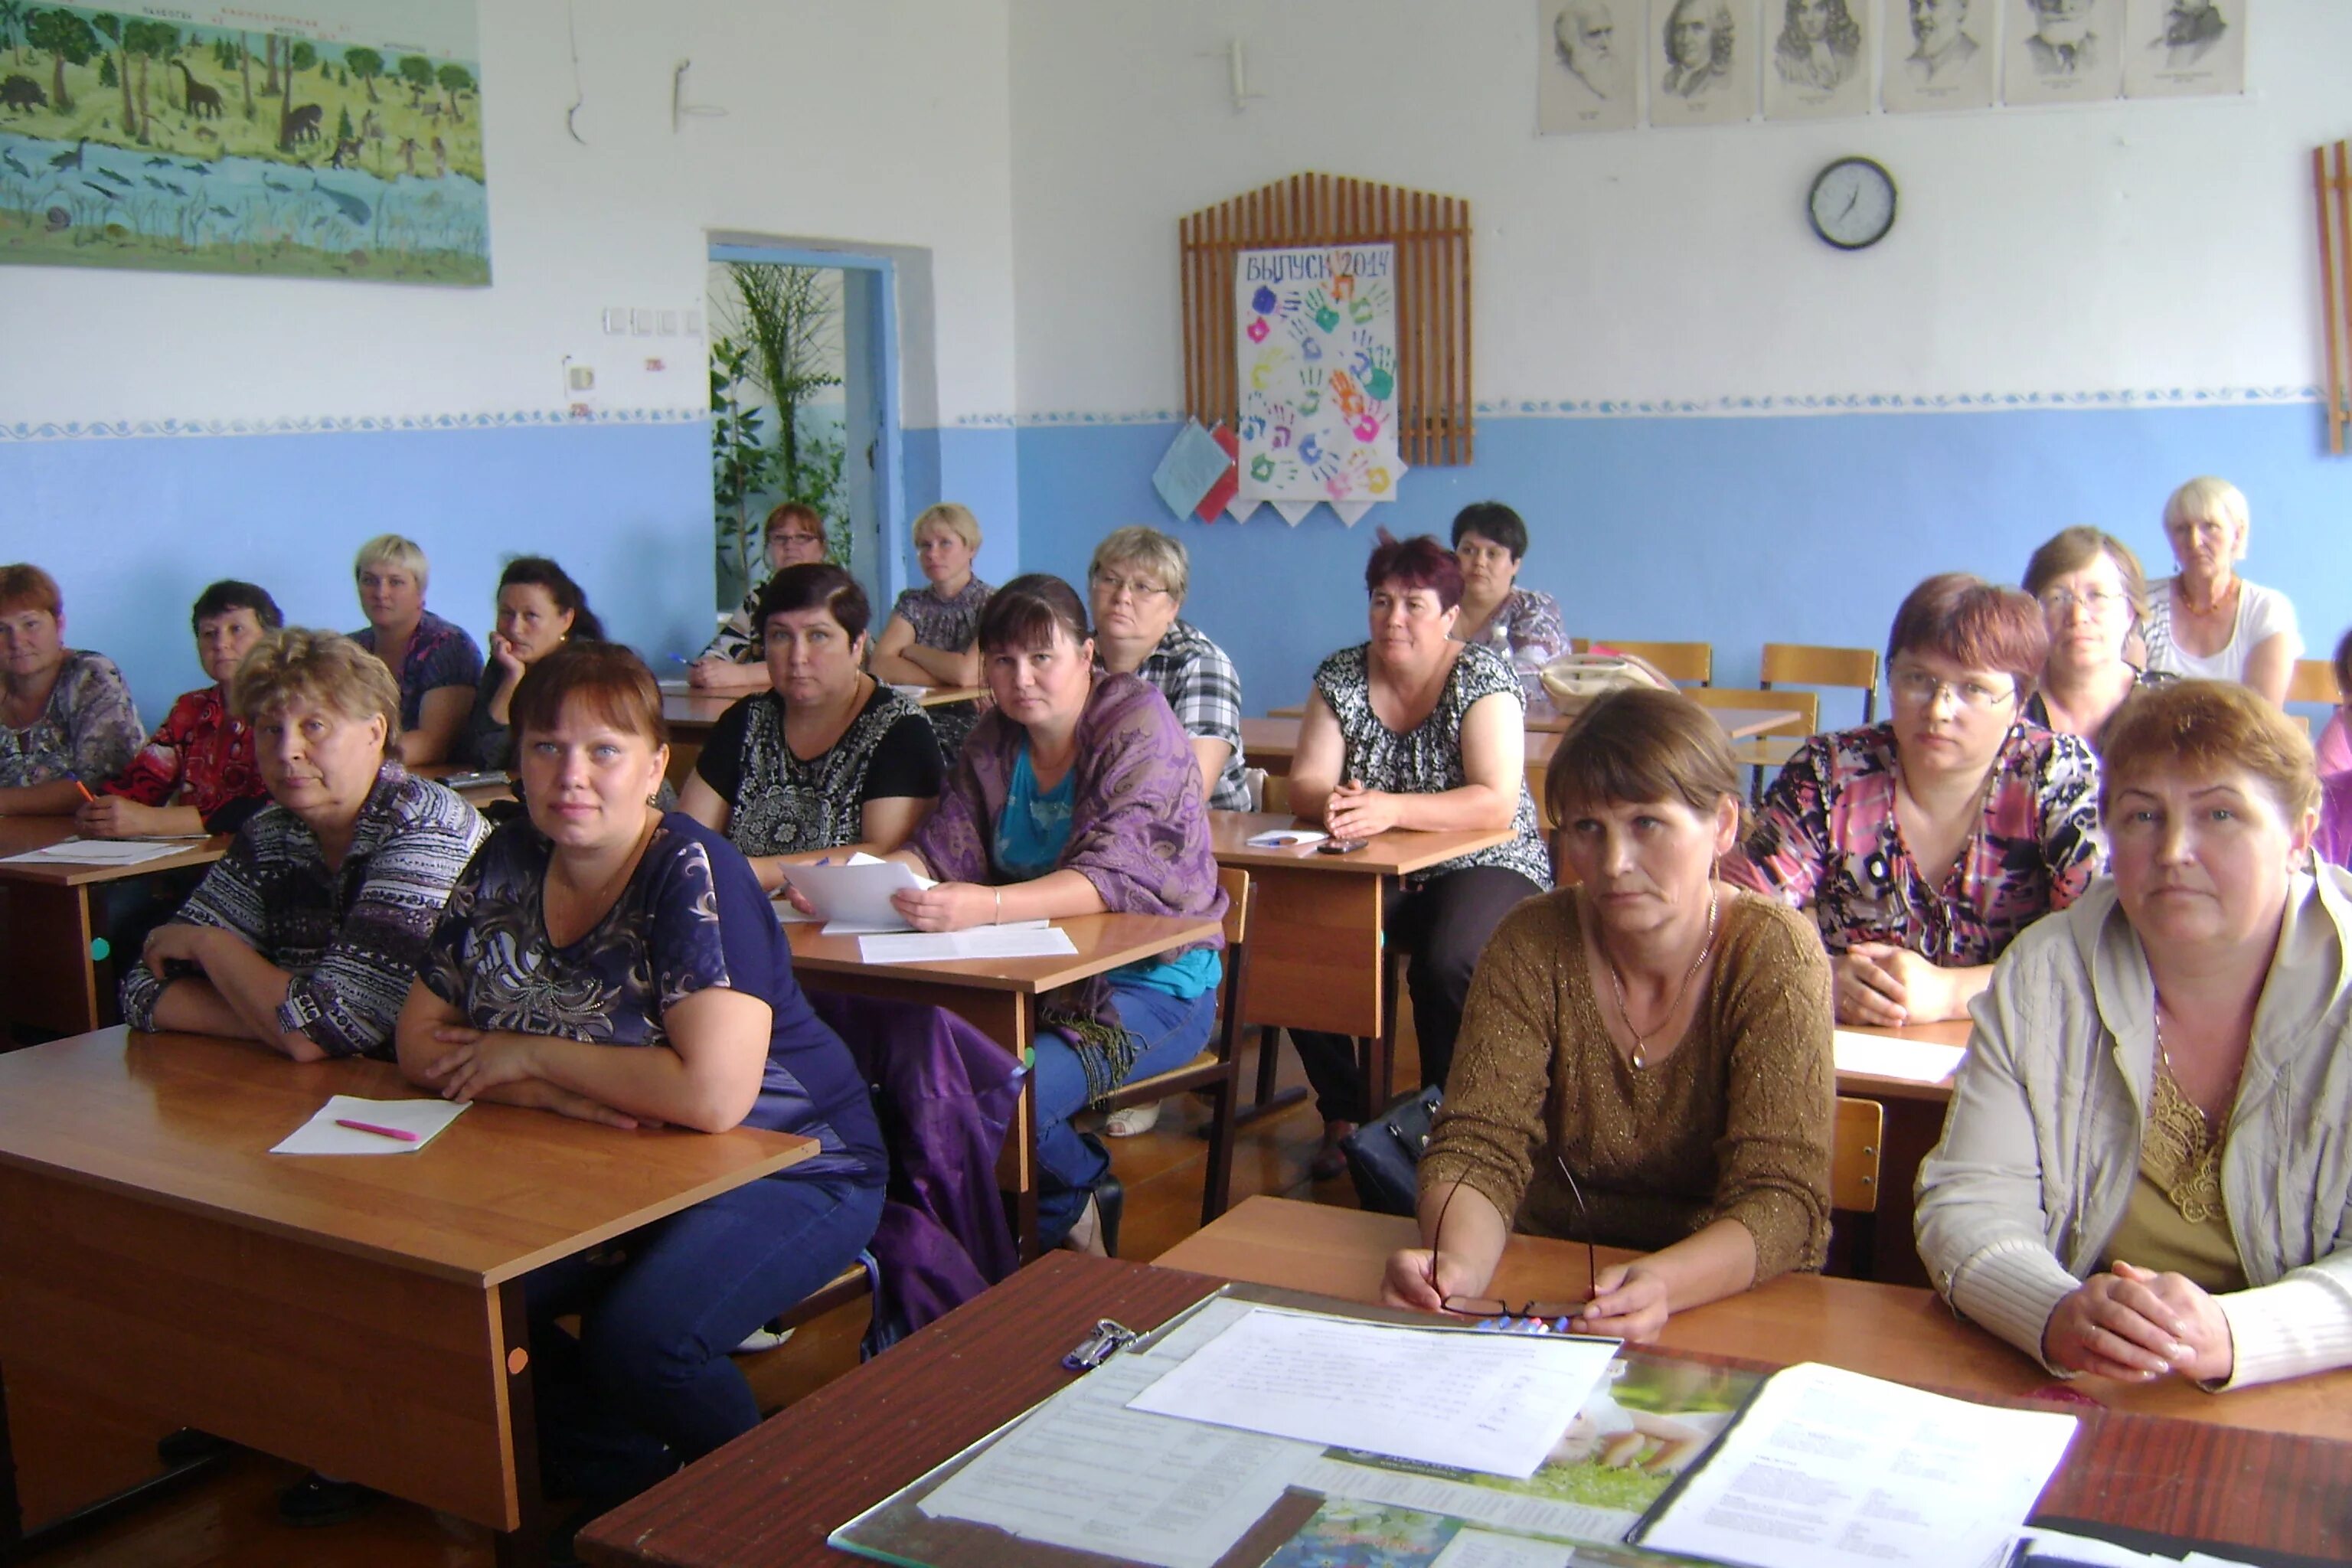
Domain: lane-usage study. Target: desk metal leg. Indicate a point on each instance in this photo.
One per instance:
(1270, 1101)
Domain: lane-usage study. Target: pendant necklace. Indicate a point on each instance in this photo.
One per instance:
(1617, 982)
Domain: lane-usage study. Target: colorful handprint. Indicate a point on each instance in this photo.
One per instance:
(1317, 351)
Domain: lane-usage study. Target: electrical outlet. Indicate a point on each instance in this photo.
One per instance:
(670, 324)
(641, 321)
(617, 320)
(582, 378)
(693, 324)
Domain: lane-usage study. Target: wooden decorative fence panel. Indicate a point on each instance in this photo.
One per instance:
(1432, 235)
(2331, 179)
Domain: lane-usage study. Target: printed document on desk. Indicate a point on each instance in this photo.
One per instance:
(104, 851)
(1490, 1403)
(1828, 1468)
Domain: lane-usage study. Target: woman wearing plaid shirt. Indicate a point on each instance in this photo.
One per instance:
(1138, 580)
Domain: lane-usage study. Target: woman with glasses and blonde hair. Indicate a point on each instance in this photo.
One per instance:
(2206, 621)
(1644, 1057)
(1922, 846)
(2093, 595)
(2142, 1172)
(1138, 580)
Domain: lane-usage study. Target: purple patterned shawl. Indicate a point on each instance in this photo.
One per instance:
(1138, 830)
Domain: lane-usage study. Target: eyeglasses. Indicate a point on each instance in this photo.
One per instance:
(1495, 1307)
(1920, 689)
(795, 541)
(1112, 586)
(2098, 601)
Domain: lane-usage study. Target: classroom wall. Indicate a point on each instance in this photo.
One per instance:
(1716, 427)
(157, 430)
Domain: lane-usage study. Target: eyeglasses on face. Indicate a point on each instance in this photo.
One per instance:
(1112, 586)
(1495, 1305)
(1920, 689)
(2098, 601)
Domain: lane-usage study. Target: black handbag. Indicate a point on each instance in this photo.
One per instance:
(1384, 1156)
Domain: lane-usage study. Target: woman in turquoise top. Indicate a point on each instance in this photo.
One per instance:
(1076, 795)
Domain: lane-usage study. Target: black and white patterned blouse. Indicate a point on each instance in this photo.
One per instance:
(781, 805)
(87, 729)
(1427, 758)
(950, 625)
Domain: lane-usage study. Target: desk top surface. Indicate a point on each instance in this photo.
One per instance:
(1738, 723)
(1104, 941)
(1277, 738)
(19, 834)
(186, 1122)
(1392, 853)
(1950, 1032)
(771, 1496)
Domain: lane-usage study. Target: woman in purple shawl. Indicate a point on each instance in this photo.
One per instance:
(1076, 795)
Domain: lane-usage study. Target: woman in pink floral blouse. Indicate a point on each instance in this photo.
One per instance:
(1923, 845)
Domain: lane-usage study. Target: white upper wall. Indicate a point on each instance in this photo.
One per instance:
(2129, 246)
(875, 121)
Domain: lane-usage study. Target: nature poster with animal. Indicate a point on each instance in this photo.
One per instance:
(309, 139)
(1314, 331)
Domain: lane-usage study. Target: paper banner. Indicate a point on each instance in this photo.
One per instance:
(1229, 483)
(1314, 336)
(1350, 513)
(1294, 512)
(1241, 509)
(1194, 465)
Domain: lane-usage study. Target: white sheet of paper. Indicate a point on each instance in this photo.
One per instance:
(1286, 837)
(1913, 1061)
(1029, 940)
(1179, 1496)
(1493, 1403)
(1483, 1548)
(320, 1135)
(855, 896)
(1829, 1469)
(106, 851)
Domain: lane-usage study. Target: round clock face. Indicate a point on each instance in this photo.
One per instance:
(1852, 204)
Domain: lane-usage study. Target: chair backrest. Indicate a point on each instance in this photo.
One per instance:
(1235, 882)
(1809, 664)
(1854, 1155)
(1807, 705)
(1241, 900)
(2313, 681)
(1689, 662)
(1254, 780)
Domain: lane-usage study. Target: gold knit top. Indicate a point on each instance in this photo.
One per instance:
(1735, 1124)
(2174, 1221)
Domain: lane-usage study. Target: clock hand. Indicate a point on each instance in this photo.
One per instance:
(1852, 197)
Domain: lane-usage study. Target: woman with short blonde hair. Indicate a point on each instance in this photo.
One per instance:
(436, 662)
(2207, 621)
(930, 638)
(306, 935)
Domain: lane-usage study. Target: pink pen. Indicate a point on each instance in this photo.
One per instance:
(380, 1132)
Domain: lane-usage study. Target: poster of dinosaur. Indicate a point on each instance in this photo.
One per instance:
(310, 139)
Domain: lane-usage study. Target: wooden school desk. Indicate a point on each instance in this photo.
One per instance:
(771, 1497)
(999, 997)
(1915, 1120)
(51, 913)
(361, 1315)
(1738, 723)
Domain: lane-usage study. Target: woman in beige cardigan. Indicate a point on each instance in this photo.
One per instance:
(2144, 1172)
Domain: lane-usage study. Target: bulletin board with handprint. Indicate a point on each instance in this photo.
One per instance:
(1314, 336)
(1362, 334)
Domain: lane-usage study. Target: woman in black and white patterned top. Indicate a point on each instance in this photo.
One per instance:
(1413, 730)
(830, 758)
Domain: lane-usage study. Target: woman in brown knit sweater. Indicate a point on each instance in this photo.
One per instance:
(1662, 1034)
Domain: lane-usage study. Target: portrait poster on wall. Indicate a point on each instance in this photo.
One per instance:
(1586, 65)
(2179, 48)
(1314, 334)
(331, 139)
(1939, 54)
(1817, 58)
(1702, 61)
(2063, 51)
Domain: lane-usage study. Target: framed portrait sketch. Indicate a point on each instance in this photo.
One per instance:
(2063, 51)
(1938, 53)
(1587, 60)
(1817, 58)
(2182, 48)
(1702, 61)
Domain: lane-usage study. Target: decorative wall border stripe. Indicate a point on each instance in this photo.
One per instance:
(1766, 404)
(339, 425)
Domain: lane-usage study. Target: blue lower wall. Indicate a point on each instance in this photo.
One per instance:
(1737, 532)
(133, 528)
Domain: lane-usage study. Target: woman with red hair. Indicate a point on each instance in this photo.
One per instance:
(1923, 845)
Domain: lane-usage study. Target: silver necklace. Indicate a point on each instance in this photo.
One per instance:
(1617, 980)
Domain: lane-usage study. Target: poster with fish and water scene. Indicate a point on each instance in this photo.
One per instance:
(310, 139)
(1315, 335)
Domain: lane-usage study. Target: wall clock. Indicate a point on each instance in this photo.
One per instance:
(1852, 204)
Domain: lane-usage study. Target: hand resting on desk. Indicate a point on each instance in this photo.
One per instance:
(2134, 1325)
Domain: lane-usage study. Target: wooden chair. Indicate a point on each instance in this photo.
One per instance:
(1760, 753)
(1804, 664)
(851, 1284)
(2313, 681)
(1215, 1072)
(1688, 663)
(1854, 1178)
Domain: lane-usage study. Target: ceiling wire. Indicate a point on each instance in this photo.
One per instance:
(579, 93)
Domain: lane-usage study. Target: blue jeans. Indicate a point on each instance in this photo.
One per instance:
(1172, 1032)
(648, 1386)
